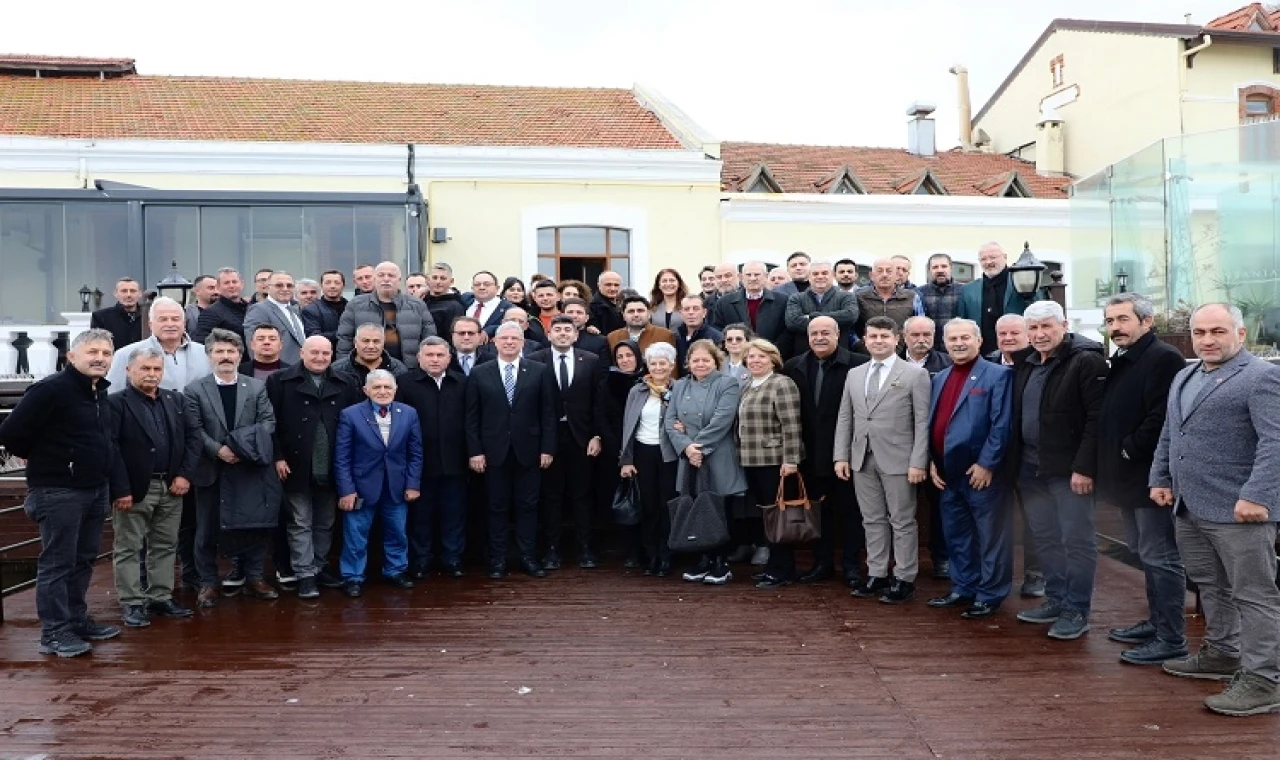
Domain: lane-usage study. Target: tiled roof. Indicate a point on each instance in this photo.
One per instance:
(889, 171)
(276, 110)
(1240, 19)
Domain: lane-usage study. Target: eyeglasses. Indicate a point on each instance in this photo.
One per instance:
(284, 285)
(735, 340)
(465, 333)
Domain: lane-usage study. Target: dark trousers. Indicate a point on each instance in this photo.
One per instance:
(1017, 510)
(762, 489)
(839, 503)
(187, 536)
(1062, 524)
(281, 556)
(440, 512)
(1152, 535)
(931, 499)
(513, 490)
(657, 481)
(567, 480)
(70, 521)
(978, 540)
(250, 545)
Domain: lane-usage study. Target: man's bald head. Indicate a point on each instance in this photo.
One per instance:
(317, 354)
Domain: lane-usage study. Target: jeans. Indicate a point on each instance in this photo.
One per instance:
(153, 521)
(70, 521)
(310, 527)
(1152, 536)
(444, 500)
(355, 547)
(250, 546)
(1062, 526)
(978, 540)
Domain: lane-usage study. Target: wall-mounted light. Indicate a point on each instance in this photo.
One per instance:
(439, 234)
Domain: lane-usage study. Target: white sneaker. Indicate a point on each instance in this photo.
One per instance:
(761, 557)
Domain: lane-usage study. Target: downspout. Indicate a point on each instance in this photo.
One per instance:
(417, 212)
(1188, 56)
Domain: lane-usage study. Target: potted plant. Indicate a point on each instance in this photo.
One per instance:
(1173, 326)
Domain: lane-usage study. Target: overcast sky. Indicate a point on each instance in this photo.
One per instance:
(837, 72)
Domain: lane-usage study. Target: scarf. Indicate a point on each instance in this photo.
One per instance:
(657, 391)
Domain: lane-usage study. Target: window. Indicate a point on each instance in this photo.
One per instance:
(761, 180)
(1057, 70)
(961, 272)
(1258, 105)
(582, 253)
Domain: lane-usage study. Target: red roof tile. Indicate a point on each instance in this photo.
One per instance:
(890, 171)
(1240, 19)
(276, 110)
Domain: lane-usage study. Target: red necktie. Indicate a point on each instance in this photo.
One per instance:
(382, 411)
(479, 308)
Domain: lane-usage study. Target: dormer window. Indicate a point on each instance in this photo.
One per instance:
(842, 181)
(928, 186)
(761, 181)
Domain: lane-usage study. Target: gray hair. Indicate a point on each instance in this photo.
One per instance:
(379, 374)
(509, 327)
(159, 301)
(145, 352)
(307, 281)
(228, 270)
(660, 351)
(219, 335)
(1142, 306)
(962, 322)
(822, 263)
(1008, 319)
(93, 336)
(443, 267)
(371, 327)
(991, 244)
(919, 318)
(1044, 310)
(281, 271)
(433, 340)
(1237, 317)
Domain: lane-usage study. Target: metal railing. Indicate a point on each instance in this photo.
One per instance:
(4, 550)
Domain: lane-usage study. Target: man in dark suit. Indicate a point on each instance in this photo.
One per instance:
(483, 303)
(576, 309)
(124, 319)
(226, 313)
(818, 297)
(577, 377)
(158, 452)
(307, 399)
(693, 328)
(377, 465)
(755, 305)
(820, 373)
(278, 309)
(511, 437)
(971, 418)
(606, 304)
(438, 394)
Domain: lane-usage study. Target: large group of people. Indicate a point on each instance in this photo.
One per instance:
(494, 422)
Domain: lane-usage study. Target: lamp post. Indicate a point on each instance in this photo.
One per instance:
(176, 282)
(1122, 280)
(1026, 273)
(85, 294)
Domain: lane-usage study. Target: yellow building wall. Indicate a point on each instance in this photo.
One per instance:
(1113, 116)
(1211, 101)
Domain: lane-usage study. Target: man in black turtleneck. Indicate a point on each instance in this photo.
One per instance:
(798, 269)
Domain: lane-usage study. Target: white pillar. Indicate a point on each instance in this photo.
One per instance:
(42, 355)
(77, 322)
(8, 354)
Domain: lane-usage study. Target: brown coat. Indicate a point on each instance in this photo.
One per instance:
(650, 335)
(769, 427)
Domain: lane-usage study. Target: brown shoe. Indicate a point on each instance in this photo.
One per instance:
(208, 597)
(260, 589)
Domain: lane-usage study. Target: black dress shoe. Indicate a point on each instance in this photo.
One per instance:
(852, 578)
(951, 600)
(352, 589)
(170, 609)
(769, 582)
(819, 572)
(326, 579)
(759, 576)
(663, 568)
(900, 591)
(551, 561)
(418, 573)
(532, 568)
(453, 571)
(497, 572)
(400, 581)
(871, 587)
(979, 610)
(135, 616)
(587, 559)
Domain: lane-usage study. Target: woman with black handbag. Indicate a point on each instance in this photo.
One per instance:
(700, 420)
(648, 456)
(627, 370)
(770, 444)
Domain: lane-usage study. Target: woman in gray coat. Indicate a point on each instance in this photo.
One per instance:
(648, 456)
(699, 424)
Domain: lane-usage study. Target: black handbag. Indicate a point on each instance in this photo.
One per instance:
(697, 518)
(626, 502)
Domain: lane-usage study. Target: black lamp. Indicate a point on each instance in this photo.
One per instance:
(1025, 272)
(84, 298)
(1122, 280)
(97, 298)
(175, 281)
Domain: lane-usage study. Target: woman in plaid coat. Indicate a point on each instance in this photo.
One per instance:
(770, 443)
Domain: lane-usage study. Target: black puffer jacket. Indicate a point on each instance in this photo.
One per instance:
(1069, 409)
(225, 314)
(444, 309)
(62, 427)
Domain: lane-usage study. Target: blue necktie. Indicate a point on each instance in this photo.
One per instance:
(509, 383)
(466, 364)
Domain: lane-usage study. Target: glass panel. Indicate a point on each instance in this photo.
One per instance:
(547, 266)
(224, 241)
(171, 233)
(31, 240)
(381, 235)
(330, 239)
(619, 242)
(276, 239)
(962, 273)
(547, 240)
(97, 254)
(623, 268)
(582, 239)
(1256, 105)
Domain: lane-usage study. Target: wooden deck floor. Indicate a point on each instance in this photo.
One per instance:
(605, 664)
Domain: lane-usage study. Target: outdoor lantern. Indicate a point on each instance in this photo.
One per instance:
(176, 282)
(84, 298)
(1025, 272)
(1122, 280)
(97, 298)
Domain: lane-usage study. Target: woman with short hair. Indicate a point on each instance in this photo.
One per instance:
(647, 455)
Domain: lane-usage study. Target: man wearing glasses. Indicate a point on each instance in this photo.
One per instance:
(281, 312)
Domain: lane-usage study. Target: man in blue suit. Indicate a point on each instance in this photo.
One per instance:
(970, 422)
(378, 469)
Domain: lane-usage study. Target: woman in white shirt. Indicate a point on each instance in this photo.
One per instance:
(649, 456)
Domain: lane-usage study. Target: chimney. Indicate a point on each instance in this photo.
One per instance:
(920, 130)
(966, 108)
(1051, 155)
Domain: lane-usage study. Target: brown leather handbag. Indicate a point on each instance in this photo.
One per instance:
(792, 521)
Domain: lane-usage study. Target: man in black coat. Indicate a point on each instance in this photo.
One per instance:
(124, 319)
(443, 301)
(438, 394)
(158, 453)
(577, 310)
(62, 428)
(754, 305)
(577, 380)
(819, 410)
(693, 327)
(606, 304)
(918, 341)
(226, 313)
(511, 438)
(308, 398)
(322, 316)
(1133, 412)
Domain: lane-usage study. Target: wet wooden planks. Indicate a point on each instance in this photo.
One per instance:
(618, 666)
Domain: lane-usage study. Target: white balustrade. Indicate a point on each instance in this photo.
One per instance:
(42, 355)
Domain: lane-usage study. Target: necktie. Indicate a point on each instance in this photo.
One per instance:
(295, 324)
(873, 384)
(817, 381)
(382, 411)
(466, 364)
(479, 308)
(564, 373)
(509, 383)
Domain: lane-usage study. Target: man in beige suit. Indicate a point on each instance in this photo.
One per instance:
(882, 442)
